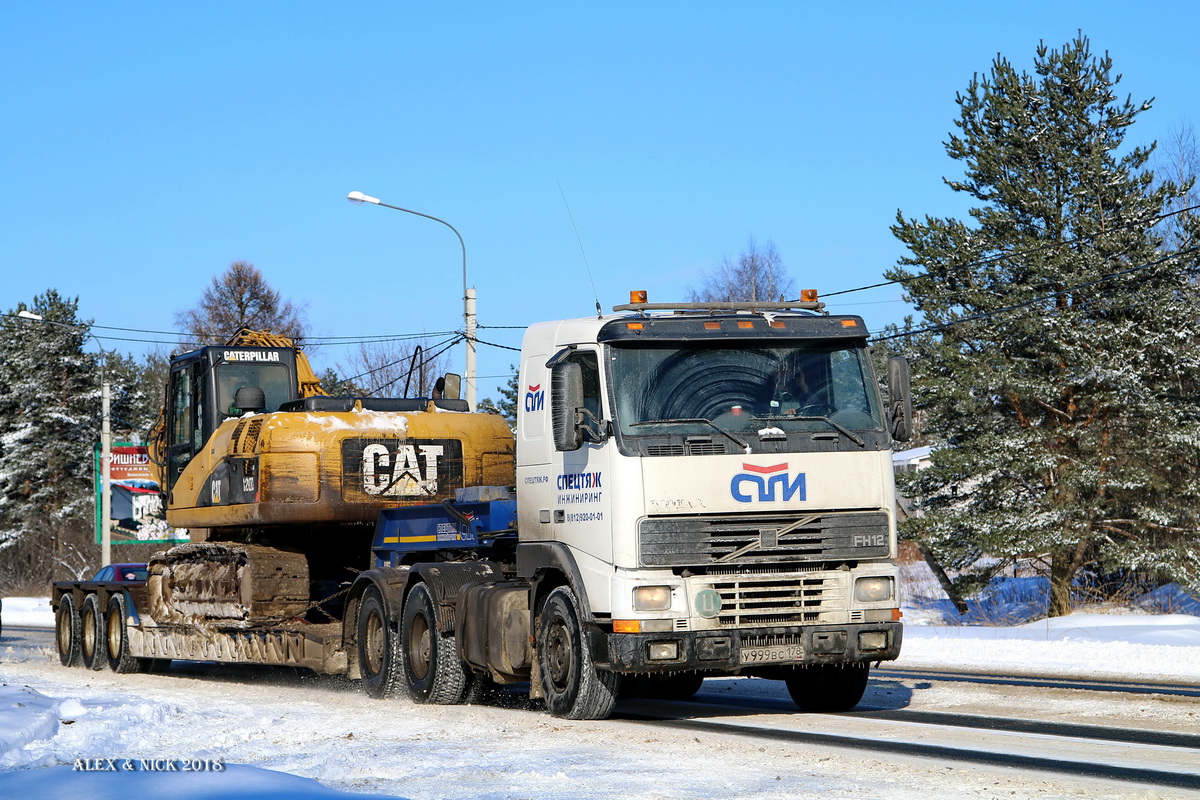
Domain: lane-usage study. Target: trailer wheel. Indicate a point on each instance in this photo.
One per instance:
(828, 687)
(432, 669)
(66, 631)
(91, 634)
(377, 651)
(573, 687)
(116, 637)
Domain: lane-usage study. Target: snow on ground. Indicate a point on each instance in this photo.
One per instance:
(27, 612)
(276, 735)
(1103, 646)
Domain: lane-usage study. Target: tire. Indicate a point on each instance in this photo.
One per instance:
(828, 687)
(378, 655)
(481, 690)
(571, 684)
(116, 638)
(432, 671)
(92, 647)
(66, 631)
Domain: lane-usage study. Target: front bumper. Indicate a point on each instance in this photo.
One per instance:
(721, 651)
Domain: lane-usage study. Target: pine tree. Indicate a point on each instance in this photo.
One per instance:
(49, 423)
(1068, 426)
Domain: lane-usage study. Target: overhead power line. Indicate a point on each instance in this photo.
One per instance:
(453, 340)
(501, 346)
(1019, 253)
(1039, 299)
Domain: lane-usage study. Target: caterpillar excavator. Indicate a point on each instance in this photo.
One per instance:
(281, 484)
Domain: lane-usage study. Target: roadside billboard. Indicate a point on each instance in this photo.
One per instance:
(137, 511)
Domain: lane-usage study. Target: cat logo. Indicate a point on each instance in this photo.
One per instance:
(399, 474)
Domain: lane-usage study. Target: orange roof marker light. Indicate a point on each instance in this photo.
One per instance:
(808, 295)
(638, 296)
(849, 323)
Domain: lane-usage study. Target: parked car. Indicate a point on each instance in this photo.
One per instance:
(122, 573)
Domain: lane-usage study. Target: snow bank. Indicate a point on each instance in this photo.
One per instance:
(233, 782)
(30, 723)
(27, 612)
(1106, 646)
(26, 716)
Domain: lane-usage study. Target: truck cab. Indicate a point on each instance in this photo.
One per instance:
(718, 485)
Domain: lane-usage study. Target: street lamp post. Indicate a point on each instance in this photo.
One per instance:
(468, 293)
(105, 442)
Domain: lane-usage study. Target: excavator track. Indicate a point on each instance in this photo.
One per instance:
(225, 583)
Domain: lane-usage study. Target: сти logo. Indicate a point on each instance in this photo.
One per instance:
(535, 398)
(773, 484)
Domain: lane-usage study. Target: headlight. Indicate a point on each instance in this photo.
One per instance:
(872, 590)
(651, 598)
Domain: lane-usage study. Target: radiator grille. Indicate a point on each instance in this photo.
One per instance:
(795, 600)
(762, 538)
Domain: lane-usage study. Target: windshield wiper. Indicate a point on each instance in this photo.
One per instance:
(849, 434)
(700, 420)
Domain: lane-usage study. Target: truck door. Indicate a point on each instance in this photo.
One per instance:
(184, 431)
(582, 485)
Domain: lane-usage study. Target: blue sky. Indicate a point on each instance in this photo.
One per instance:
(145, 146)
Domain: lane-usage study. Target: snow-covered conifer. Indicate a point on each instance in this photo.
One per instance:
(1069, 425)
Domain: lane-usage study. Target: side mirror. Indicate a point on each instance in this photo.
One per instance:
(566, 396)
(899, 399)
(448, 387)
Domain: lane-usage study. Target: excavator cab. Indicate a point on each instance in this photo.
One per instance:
(213, 384)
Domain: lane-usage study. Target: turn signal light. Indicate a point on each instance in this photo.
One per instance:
(808, 295)
(637, 296)
(627, 626)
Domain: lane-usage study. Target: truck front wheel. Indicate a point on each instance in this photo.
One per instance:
(377, 651)
(66, 631)
(573, 687)
(828, 687)
(431, 666)
(91, 634)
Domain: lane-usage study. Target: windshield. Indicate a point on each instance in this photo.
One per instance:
(274, 379)
(743, 387)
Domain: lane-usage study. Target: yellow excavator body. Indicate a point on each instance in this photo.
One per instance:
(304, 458)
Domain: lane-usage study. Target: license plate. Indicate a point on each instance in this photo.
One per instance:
(776, 654)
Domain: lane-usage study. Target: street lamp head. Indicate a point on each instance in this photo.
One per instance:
(360, 198)
(30, 315)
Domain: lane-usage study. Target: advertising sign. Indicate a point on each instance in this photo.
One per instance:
(137, 515)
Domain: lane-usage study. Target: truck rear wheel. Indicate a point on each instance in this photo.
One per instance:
(432, 669)
(66, 631)
(573, 687)
(377, 651)
(117, 637)
(828, 687)
(91, 634)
